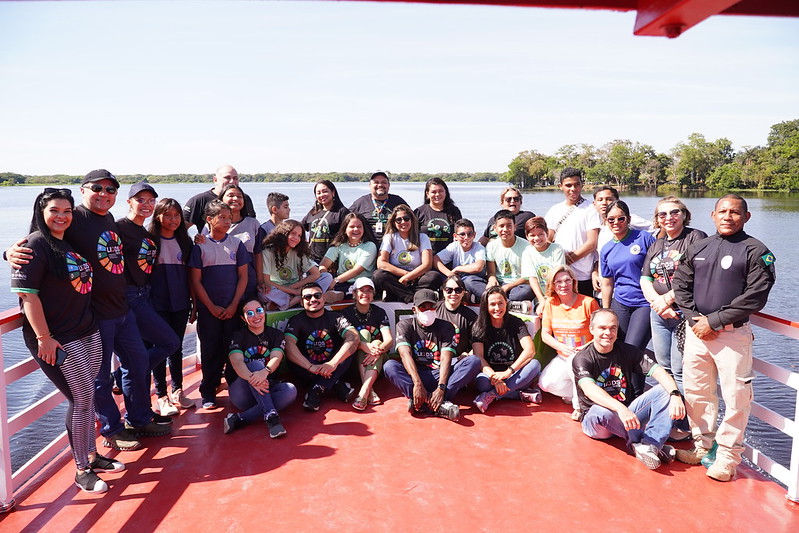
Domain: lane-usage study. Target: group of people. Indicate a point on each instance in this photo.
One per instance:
(597, 282)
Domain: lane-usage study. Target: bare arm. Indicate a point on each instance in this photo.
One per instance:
(607, 292)
(34, 312)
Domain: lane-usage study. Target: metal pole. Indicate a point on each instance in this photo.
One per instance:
(6, 487)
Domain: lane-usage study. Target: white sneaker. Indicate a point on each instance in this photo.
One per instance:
(179, 399)
(647, 454)
(166, 408)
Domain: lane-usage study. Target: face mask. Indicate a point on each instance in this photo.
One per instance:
(426, 318)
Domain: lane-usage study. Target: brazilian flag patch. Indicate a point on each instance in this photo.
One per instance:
(768, 259)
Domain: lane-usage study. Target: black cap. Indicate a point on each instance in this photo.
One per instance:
(378, 173)
(424, 296)
(99, 175)
(136, 188)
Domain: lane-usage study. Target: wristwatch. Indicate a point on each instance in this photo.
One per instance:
(442, 386)
(675, 392)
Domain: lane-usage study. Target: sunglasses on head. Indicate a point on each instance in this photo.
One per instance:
(51, 190)
(95, 187)
(673, 213)
(450, 290)
(402, 219)
(312, 296)
(252, 312)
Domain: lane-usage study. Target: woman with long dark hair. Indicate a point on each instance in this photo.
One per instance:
(438, 214)
(60, 330)
(324, 219)
(352, 254)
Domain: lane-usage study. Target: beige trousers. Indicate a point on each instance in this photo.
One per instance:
(728, 359)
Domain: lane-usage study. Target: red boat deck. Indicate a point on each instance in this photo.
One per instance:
(517, 467)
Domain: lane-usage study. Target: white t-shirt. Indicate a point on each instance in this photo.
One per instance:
(398, 253)
(572, 232)
(454, 255)
(508, 260)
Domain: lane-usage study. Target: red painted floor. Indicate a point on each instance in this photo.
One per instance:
(515, 468)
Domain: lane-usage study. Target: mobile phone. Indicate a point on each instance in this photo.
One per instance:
(60, 356)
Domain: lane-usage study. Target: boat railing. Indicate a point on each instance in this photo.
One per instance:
(11, 481)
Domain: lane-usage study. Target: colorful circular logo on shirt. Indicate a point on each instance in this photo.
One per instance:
(255, 352)
(505, 268)
(438, 228)
(614, 382)
(368, 333)
(635, 249)
(146, 255)
(404, 257)
(543, 272)
(109, 252)
(427, 351)
(320, 230)
(500, 353)
(319, 346)
(349, 264)
(666, 263)
(80, 272)
(284, 273)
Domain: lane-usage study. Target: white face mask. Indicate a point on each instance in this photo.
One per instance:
(426, 318)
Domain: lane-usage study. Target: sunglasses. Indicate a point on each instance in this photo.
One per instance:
(450, 290)
(312, 296)
(427, 306)
(465, 234)
(252, 312)
(97, 188)
(145, 201)
(672, 213)
(52, 190)
(613, 220)
(400, 220)
(509, 199)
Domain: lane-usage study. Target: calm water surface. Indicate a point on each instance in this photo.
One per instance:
(775, 221)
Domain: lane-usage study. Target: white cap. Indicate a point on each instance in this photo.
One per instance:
(362, 282)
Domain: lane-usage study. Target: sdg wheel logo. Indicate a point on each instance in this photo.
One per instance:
(109, 252)
(80, 273)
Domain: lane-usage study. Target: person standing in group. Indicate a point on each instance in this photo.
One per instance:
(540, 258)
(504, 261)
(721, 282)
(464, 258)
(378, 205)
(218, 276)
(510, 199)
(352, 254)
(406, 258)
(506, 351)
(438, 214)
(279, 209)
(60, 330)
(171, 296)
(324, 219)
(372, 325)
(662, 259)
(194, 209)
(255, 353)
(574, 224)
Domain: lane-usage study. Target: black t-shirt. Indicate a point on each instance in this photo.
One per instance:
(140, 251)
(501, 346)
(97, 239)
(376, 213)
(611, 371)
(322, 227)
(253, 346)
(66, 300)
(319, 339)
(194, 208)
(665, 255)
(520, 220)
(462, 318)
(426, 344)
(368, 325)
(438, 225)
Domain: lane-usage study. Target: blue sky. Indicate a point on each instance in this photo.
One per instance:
(162, 87)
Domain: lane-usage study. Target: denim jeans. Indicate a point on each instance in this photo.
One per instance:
(160, 339)
(177, 321)
(664, 343)
(474, 284)
(652, 410)
(254, 405)
(521, 292)
(520, 379)
(121, 336)
(462, 373)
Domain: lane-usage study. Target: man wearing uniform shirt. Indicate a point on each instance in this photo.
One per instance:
(376, 206)
(426, 346)
(608, 404)
(722, 280)
(194, 208)
(319, 344)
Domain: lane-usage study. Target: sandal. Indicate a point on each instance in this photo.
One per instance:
(374, 399)
(359, 403)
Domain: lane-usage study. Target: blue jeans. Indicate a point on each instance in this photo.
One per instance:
(664, 343)
(520, 379)
(254, 405)
(156, 333)
(121, 336)
(652, 410)
(463, 373)
(521, 292)
(474, 284)
(177, 321)
(634, 329)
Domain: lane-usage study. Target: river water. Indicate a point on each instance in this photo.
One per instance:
(775, 221)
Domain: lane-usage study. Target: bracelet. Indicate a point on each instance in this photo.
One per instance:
(511, 369)
(40, 337)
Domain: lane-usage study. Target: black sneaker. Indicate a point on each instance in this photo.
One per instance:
(314, 398)
(150, 430)
(162, 420)
(276, 429)
(232, 422)
(104, 464)
(123, 441)
(344, 391)
(88, 481)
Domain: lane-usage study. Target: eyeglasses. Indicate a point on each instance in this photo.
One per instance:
(252, 312)
(672, 213)
(97, 188)
(400, 220)
(312, 296)
(613, 220)
(146, 201)
(465, 234)
(509, 199)
(450, 290)
(52, 190)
